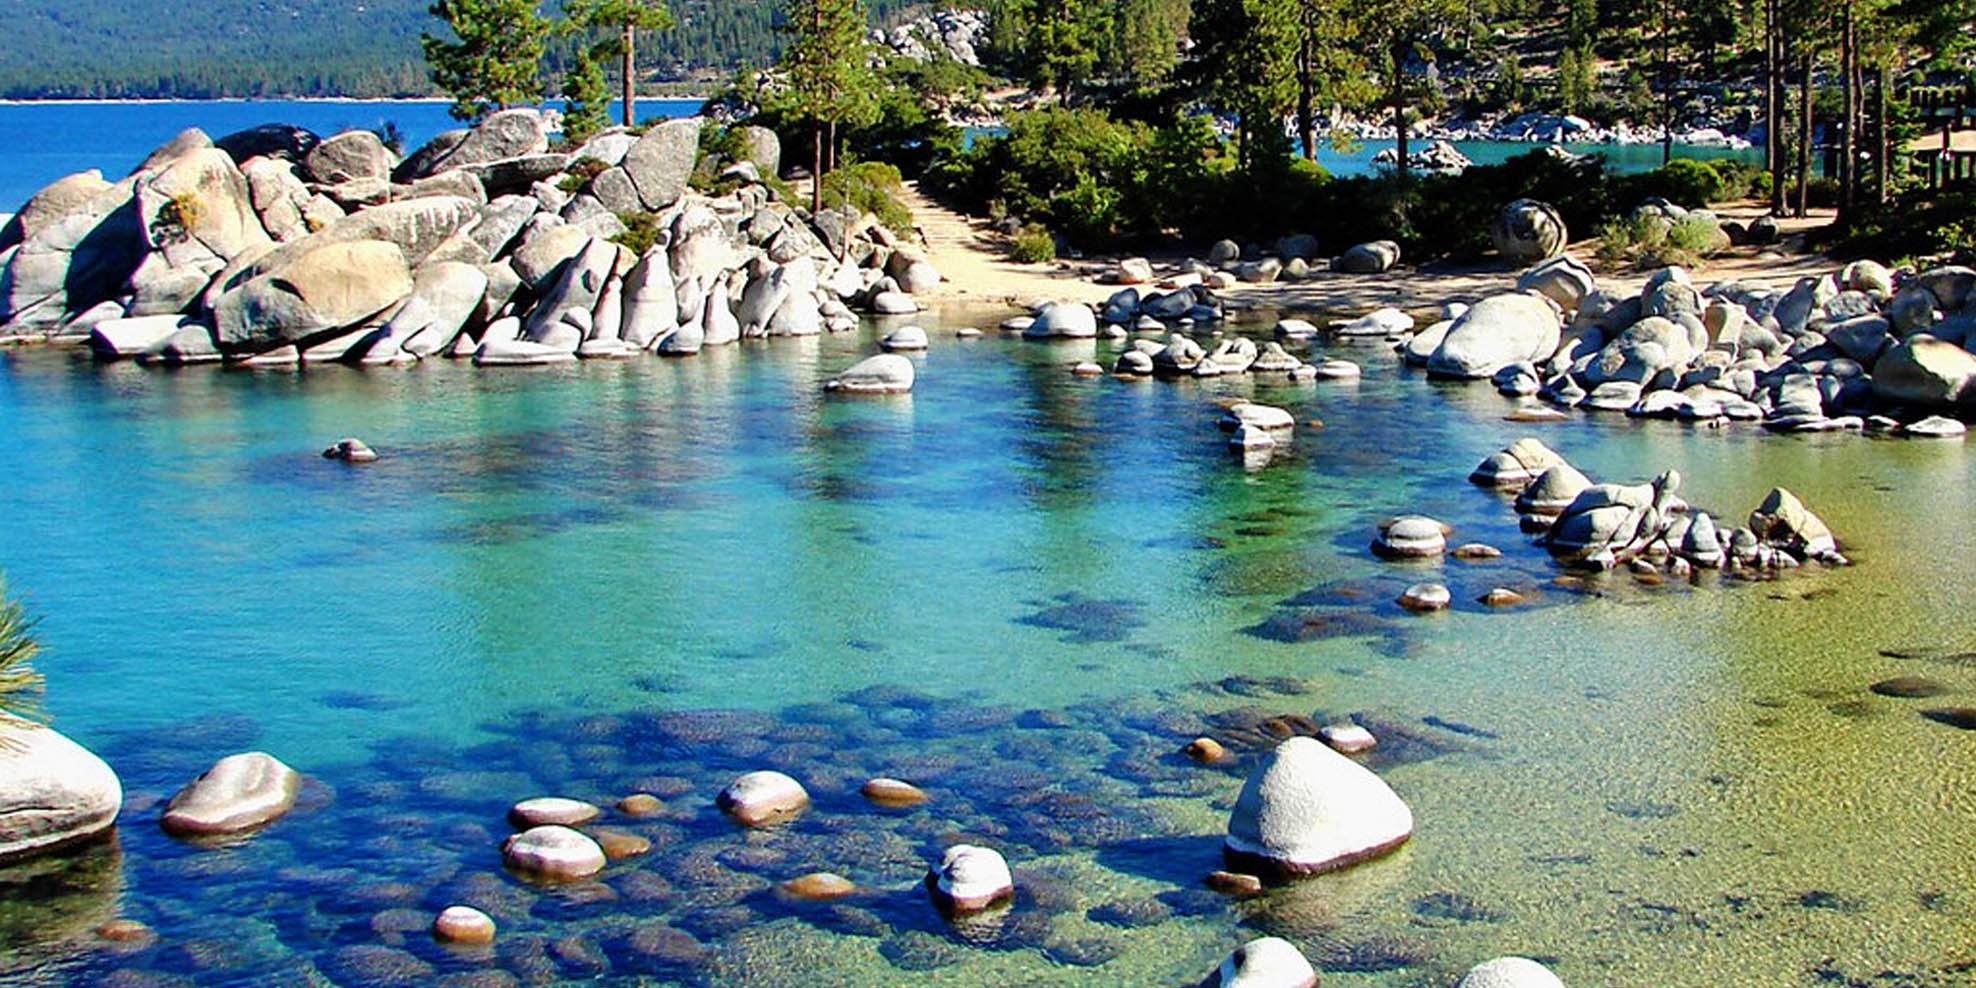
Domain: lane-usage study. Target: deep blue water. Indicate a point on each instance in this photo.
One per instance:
(49, 140)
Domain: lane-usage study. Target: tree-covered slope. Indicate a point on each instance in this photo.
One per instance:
(107, 48)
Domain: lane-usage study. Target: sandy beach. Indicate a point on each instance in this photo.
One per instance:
(976, 270)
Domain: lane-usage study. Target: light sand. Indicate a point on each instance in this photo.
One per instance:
(973, 261)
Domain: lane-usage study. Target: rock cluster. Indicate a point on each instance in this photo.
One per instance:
(1863, 347)
(274, 246)
(1648, 526)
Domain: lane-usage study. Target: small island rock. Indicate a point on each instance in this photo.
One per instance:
(53, 792)
(759, 798)
(239, 793)
(551, 809)
(887, 373)
(1308, 809)
(553, 853)
(463, 925)
(970, 878)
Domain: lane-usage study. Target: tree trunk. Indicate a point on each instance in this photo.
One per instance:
(1306, 121)
(1848, 148)
(1882, 163)
(629, 68)
(1400, 108)
(1773, 103)
(1804, 138)
(816, 169)
(1666, 85)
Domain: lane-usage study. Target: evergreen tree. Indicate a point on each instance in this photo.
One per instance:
(589, 96)
(1065, 38)
(624, 18)
(496, 62)
(1145, 42)
(829, 71)
(1244, 55)
(1395, 32)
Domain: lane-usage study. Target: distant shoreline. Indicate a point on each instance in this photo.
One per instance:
(142, 100)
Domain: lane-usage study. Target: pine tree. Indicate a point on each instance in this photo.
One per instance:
(625, 18)
(829, 71)
(496, 62)
(1244, 55)
(589, 96)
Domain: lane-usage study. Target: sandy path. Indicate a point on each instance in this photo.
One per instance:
(973, 262)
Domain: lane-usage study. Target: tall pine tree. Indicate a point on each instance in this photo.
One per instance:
(624, 18)
(497, 61)
(1245, 53)
(827, 62)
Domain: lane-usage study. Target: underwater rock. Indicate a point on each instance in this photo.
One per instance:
(1909, 687)
(760, 798)
(892, 792)
(1206, 750)
(640, 804)
(1958, 717)
(1347, 738)
(1424, 597)
(553, 853)
(1308, 809)
(238, 794)
(818, 886)
(1233, 883)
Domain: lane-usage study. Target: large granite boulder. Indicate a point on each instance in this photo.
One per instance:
(1651, 353)
(1307, 809)
(1497, 331)
(199, 212)
(53, 791)
(280, 198)
(1527, 230)
(1266, 962)
(1784, 522)
(1515, 465)
(577, 286)
(238, 794)
(444, 297)
(55, 200)
(1562, 279)
(500, 135)
(74, 261)
(1375, 257)
(761, 146)
(1924, 371)
(1063, 321)
(662, 160)
(553, 853)
(329, 288)
(970, 879)
(651, 305)
(1606, 523)
(352, 156)
(287, 142)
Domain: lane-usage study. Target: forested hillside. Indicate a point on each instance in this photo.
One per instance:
(151, 48)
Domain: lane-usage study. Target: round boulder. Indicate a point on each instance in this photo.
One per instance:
(553, 853)
(463, 925)
(893, 792)
(350, 450)
(1375, 257)
(1308, 809)
(1268, 962)
(1425, 597)
(904, 338)
(1509, 972)
(1411, 537)
(1063, 321)
(970, 878)
(53, 792)
(887, 373)
(238, 794)
(551, 809)
(760, 798)
(1527, 230)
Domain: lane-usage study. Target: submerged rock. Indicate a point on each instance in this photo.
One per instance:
(1308, 809)
(553, 853)
(886, 373)
(893, 792)
(1509, 972)
(350, 450)
(463, 925)
(1410, 537)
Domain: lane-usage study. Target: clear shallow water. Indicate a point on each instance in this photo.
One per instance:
(1021, 589)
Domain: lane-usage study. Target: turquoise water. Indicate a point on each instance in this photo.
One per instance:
(1023, 590)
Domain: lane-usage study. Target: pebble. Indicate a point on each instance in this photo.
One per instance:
(640, 804)
(1476, 550)
(1500, 597)
(463, 924)
(1206, 750)
(551, 810)
(818, 886)
(620, 844)
(1233, 883)
(1347, 738)
(893, 792)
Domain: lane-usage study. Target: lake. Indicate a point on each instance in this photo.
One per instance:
(1022, 590)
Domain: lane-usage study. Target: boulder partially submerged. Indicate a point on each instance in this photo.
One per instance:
(1307, 809)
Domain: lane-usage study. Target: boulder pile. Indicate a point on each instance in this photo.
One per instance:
(1648, 527)
(1861, 348)
(275, 246)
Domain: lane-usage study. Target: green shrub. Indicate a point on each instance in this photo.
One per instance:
(1648, 241)
(1684, 182)
(579, 173)
(641, 232)
(1033, 244)
(870, 187)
